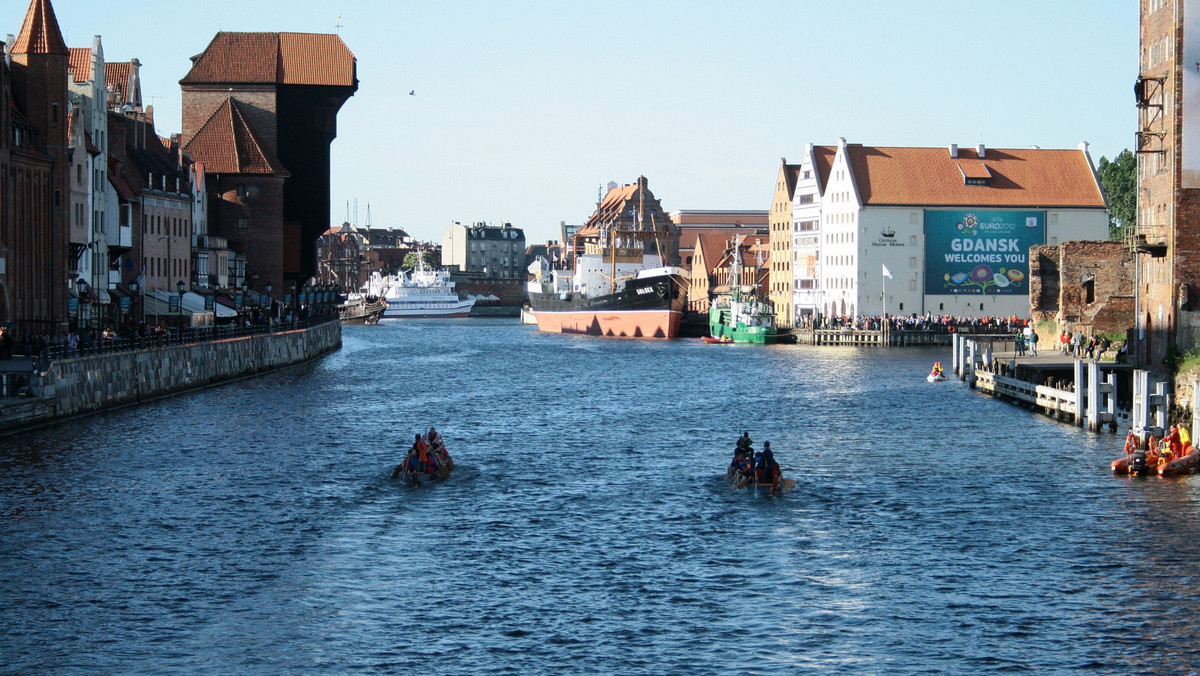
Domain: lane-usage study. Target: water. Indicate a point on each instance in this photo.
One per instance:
(254, 528)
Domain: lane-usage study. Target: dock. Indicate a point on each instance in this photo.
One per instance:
(1098, 393)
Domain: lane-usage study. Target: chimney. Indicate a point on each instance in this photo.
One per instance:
(953, 150)
(980, 151)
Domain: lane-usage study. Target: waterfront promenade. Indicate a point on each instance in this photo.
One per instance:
(57, 385)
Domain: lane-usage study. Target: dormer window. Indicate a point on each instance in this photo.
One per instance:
(975, 172)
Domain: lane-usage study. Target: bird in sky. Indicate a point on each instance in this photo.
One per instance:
(412, 92)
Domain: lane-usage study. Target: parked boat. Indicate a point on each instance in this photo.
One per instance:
(740, 314)
(1180, 465)
(622, 285)
(357, 308)
(423, 293)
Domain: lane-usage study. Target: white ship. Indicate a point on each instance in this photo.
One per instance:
(423, 293)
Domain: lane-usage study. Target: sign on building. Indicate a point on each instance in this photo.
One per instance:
(980, 252)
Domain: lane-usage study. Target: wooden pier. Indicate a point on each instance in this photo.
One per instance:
(1098, 394)
(884, 337)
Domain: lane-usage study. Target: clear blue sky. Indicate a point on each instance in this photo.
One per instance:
(523, 109)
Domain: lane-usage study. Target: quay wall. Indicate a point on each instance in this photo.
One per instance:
(81, 385)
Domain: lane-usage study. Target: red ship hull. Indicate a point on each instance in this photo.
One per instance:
(615, 323)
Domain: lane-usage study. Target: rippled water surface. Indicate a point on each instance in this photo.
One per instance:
(254, 528)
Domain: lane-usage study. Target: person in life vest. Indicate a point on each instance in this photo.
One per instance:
(1185, 440)
(766, 469)
(1174, 442)
(938, 371)
(744, 442)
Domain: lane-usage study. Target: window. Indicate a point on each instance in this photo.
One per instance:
(241, 189)
(243, 224)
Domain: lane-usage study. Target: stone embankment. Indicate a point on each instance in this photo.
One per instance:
(81, 385)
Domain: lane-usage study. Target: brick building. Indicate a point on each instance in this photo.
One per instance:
(260, 112)
(34, 188)
(1166, 237)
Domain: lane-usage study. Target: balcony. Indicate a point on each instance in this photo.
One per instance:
(120, 237)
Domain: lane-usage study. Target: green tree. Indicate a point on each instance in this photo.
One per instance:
(1119, 180)
(410, 260)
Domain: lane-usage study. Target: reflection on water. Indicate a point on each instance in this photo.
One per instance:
(587, 528)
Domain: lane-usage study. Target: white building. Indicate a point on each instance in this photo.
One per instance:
(952, 226)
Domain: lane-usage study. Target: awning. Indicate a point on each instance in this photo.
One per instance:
(158, 303)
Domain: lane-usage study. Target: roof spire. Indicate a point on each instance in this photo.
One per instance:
(40, 33)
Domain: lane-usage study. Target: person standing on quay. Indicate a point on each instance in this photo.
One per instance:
(1033, 339)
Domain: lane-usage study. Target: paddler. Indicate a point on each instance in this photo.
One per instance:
(767, 469)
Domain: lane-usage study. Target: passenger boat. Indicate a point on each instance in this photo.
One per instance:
(623, 284)
(741, 315)
(436, 450)
(423, 293)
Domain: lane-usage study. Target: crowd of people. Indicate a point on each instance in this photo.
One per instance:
(748, 466)
(427, 457)
(913, 322)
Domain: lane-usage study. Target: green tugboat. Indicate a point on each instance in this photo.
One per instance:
(740, 316)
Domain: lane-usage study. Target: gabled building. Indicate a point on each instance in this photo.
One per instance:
(636, 216)
(780, 263)
(806, 232)
(35, 191)
(260, 113)
(947, 231)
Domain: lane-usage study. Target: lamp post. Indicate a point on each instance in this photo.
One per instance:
(181, 287)
(81, 287)
(270, 305)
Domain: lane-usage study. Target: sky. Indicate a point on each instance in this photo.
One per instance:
(521, 111)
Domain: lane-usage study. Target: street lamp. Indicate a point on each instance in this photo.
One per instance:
(181, 286)
(270, 304)
(82, 289)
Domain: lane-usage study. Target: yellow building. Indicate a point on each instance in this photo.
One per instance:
(780, 242)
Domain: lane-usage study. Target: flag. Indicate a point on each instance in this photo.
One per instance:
(886, 273)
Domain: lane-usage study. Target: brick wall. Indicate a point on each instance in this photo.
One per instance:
(1083, 286)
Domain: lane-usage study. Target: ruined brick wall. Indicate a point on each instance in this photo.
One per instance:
(1095, 286)
(1043, 283)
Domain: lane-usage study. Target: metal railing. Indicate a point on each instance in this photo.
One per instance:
(94, 344)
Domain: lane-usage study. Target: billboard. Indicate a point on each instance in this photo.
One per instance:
(980, 252)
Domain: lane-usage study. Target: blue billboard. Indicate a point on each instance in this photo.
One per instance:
(980, 252)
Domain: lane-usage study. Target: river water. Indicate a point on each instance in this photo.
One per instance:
(254, 527)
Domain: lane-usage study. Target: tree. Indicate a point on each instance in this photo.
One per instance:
(410, 260)
(1119, 180)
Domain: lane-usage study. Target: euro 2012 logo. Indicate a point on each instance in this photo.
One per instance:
(968, 225)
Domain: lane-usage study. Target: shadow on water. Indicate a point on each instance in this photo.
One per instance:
(588, 527)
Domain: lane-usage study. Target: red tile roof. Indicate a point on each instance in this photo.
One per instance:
(278, 58)
(931, 177)
(40, 33)
(227, 144)
(79, 63)
(823, 164)
(116, 74)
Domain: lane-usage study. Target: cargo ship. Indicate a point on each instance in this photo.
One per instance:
(621, 282)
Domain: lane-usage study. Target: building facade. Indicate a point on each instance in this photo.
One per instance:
(34, 188)
(490, 251)
(260, 113)
(947, 231)
(781, 242)
(1166, 237)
